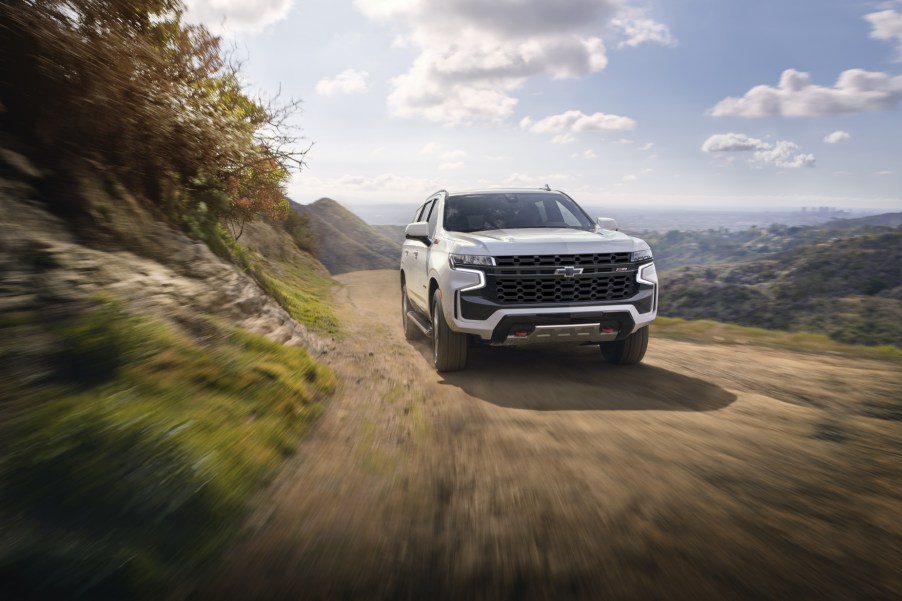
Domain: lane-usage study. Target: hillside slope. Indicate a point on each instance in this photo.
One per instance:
(344, 241)
(147, 387)
(847, 288)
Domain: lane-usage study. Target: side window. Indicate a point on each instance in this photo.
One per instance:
(432, 218)
(418, 213)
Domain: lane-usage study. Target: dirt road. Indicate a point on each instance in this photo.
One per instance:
(707, 472)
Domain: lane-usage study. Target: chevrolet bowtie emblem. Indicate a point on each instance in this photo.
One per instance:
(569, 271)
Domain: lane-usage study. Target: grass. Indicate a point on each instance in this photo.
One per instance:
(712, 331)
(301, 290)
(132, 459)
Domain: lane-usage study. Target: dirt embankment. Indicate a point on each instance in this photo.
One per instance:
(707, 472)
(133, 258)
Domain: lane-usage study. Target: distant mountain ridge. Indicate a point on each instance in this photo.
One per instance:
(344, 241)
(883, 220)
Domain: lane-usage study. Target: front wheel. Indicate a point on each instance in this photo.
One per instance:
(628, 351)
(449, 348)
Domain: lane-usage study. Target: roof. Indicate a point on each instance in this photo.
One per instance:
(501, 191)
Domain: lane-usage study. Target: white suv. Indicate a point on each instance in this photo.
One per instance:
(517, 267)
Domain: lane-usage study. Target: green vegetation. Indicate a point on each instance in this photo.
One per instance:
(130, 445)
(176, 128)
(303, 292)
(848, 288)
(706, 331)
(132, 460)
(293, 281)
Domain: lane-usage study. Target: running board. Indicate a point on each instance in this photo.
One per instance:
(420, 322)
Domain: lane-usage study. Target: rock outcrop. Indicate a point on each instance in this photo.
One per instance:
(44, 264)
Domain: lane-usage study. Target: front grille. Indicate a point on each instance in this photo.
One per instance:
(560, 290)
(561, 260)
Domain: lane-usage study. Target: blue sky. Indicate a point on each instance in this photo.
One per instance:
(689, 103)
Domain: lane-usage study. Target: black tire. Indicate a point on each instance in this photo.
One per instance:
(409, 328)
(626, 352)
(449, 348)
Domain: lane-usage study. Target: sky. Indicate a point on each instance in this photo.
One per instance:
(688, 103)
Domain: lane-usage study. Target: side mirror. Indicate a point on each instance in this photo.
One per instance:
(606, 223)
(417, 231)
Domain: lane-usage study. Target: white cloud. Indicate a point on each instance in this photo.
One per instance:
(886, 25)
(782, 154)
(837, 137)
(473, 56)
(452, 166)
(622, 142)
(647, 146)
(454, 154)
(586, 154)
(630, 178)
(639, 30)
(230, 16)
(576, 122)
(348, 81)
(855, 91)
(565, 138)
(733, 142)
(884, 173)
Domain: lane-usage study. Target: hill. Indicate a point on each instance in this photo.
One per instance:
(344, 241)
(676, 248)
(893, 220)
(848, 288)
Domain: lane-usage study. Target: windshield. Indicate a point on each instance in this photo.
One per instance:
(507, 210)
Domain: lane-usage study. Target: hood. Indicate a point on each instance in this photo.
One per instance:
(541, 241)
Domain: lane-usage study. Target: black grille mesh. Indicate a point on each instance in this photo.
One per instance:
(561, 260)
(561, 290)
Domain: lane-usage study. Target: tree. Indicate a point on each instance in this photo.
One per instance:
(127, 84)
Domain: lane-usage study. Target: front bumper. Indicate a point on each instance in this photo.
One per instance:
(472, 312)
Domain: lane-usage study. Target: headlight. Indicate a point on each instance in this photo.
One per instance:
(643, 254)
(471, 261)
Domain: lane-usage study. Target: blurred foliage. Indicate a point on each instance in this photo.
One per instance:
(302, 292)
(848, 288)
(298, 288)
(114, 490)
(126, 87)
